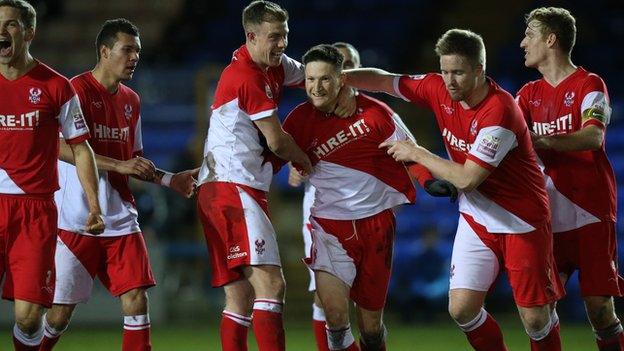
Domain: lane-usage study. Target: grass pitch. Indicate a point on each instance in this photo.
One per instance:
(437, 337)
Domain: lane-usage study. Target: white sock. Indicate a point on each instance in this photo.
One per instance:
(541, 334)
(28, 340)
(268, 305)
(49, 331)
(340, 339)
(475, 323)
(240, 319)
(318, 314)
(139, 322)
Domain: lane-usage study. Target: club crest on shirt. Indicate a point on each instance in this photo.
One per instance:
(267, 90)
(448, 109)
(489, 146)
(97, 104)
(568, 98)
(473, 127)
(128, 111)
(34, 95)
(260, 246)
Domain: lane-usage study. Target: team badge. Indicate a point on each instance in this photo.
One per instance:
(97, 104)
(569, 98)
(128, 111)
(449, 110)
(34, 95)
(78, 118)
(473, 127)
(260, 246)
(452, 271)
(268, 91)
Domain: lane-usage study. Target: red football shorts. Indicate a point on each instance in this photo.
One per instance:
(120, 262)
(527, 258)
(592, 249)
(237, 228)
(358, 252)
(27, 243)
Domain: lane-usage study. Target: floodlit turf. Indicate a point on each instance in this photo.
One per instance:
(441, 337)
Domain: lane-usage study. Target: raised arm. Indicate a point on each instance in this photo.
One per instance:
(371, 79)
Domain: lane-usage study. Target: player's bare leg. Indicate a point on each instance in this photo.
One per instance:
(28, 329)
(604, 321)
(482, 331)
(136, 329)
(236, 318)
(55, 322)
(542, 325)
(334, 295)
(268, 286)
(372, 330)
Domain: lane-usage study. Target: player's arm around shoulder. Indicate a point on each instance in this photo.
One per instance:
(372, 79)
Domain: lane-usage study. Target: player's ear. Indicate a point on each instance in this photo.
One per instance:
(250, 36)
(30, 34)
(551, 39)
(104, 51)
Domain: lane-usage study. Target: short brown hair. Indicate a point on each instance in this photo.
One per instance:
(263, 11)
(324, 53)
(464, 43)
(28, 14)
(558, 21)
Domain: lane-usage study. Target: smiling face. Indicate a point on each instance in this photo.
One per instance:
(460, 77)
(267, 42)
(121, 60)
(535, 44)
(322, 84)
(14, 36)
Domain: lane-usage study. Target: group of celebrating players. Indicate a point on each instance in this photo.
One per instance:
(522, 170)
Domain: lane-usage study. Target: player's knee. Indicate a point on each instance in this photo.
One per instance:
(273, 287)
(374, 339)
(336, 317)
(535, 320)
(600, 311)
(58, 319)
(29, 324)
(134, 302)
(461, 313)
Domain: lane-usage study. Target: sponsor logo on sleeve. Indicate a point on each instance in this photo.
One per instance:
(489, 146)
(34, 95)
(597, 112)
(78, 118)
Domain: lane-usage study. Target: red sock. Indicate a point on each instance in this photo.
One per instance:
(268, 326)
(353, 347)
(21, 347)
(552, 341)
(136, 333)
(487, 336)
(363, 347)
(319, 335)
(47, 344)
(234, 329)
(615, 343)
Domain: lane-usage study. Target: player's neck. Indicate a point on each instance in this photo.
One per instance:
(19, 67)
(108, 81)
(556, 69)
(478, 95)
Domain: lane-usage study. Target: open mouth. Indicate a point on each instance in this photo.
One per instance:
(5, 47)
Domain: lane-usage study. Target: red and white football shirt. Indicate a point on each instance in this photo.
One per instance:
(493, 134)
(234, 147)
(115, 124)
(353, 177)
(581, 184)
(34, 108)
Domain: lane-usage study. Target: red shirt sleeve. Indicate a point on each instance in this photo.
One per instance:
(421, 89)
(256, 98)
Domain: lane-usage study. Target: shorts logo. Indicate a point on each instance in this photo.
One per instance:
(268, 91)
(569, 98)
(34, 95)
(489, 146)
(235, 252)
(260, 246)
(128, 111)
(452, 271)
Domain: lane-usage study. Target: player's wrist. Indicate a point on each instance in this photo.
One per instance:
(166, 178)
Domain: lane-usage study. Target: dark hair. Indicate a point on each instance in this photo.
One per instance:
(108, 33)
(263, 11)
(28, 14)
(558, 21)
(354, 52)
(326, 53)
(464, 43)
